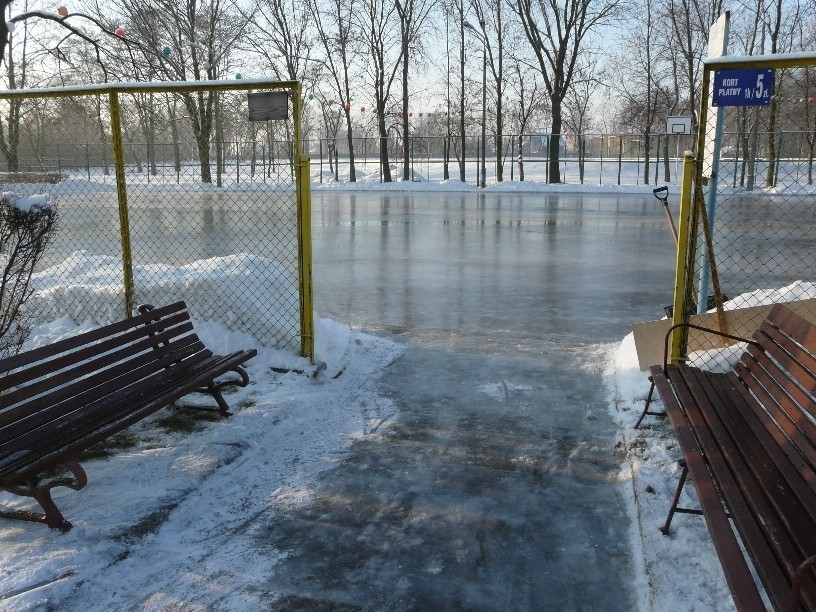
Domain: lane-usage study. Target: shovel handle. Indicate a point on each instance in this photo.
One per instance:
(662, 194)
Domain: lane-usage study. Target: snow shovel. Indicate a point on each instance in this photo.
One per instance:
(662, 194)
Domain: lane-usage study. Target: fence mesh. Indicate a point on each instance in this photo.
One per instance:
(760, 202)
(212, 209)
(591, 159)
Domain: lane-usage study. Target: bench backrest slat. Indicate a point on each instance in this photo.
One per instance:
(61, 361)
(69, 344)
(91, 372)
(21, 433)
(798, 328)
(799, 364)
(782, 401)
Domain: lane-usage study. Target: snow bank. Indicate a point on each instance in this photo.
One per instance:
(28, 203)
(252, 294)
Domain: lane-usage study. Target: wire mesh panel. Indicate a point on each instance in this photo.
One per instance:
(755, 204)
(205, 206)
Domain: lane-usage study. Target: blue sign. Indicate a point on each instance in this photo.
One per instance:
(748, 87)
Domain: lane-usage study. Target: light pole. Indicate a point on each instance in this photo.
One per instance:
(483, 39)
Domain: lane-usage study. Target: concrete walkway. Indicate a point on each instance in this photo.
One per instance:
(495, 486)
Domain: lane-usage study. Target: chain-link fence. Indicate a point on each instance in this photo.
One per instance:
(185, 198)
(591, 159)
(754, 205)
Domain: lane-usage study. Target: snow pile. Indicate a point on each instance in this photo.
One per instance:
(27, 204)
(252, 294)
(684, 565)
(172, 514)
(799, 290)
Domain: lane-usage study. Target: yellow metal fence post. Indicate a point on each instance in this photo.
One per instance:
(684, 250)
(304, 223)
(121, 192)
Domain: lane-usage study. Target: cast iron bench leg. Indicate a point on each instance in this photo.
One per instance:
(676, 500)
(646, 406)
(41, 491)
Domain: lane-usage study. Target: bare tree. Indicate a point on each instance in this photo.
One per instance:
(556, 32)
(530, 103)
(379, 29)
(781, 41)
(412, 16)
(577, 114)
(493, 24)
(334, 25)
(25, 232)
(179, 41)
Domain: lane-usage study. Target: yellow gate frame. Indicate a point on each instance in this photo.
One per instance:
(693, 181)
(302, 172)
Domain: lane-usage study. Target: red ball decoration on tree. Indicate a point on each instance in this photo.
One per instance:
(62, 11)
(362, 109)
(120, 32)
(347, 106)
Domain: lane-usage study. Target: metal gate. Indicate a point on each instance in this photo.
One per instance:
(748, 206)
(169, 191)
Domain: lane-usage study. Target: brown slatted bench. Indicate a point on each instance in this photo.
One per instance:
(59, 400)
(748, 439)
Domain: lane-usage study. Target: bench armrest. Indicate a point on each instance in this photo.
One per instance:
(796, 585)
(700, 328)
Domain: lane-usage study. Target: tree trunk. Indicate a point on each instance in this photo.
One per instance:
(203, 145)
(647, 142)
(770, 177)
(499, 142)
(462, 92)
(406, 145)
(350, 139)
(384, 164)
(554, 145)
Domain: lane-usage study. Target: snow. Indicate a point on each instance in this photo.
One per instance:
(28, 203)
(234, 289)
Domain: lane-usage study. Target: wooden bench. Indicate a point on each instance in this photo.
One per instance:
(748, 439)
(59, 400)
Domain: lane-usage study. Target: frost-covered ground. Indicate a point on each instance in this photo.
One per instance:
(682, 569)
